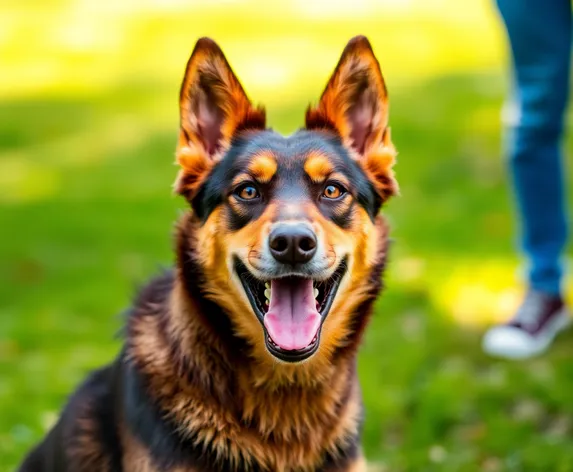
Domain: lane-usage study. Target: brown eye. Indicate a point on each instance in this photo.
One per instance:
(247, 192)
(333, 191)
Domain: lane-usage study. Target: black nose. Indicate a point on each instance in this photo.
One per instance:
(292, 244)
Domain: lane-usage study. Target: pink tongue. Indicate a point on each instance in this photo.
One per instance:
(292, 320)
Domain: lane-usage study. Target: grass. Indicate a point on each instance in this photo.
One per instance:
(88, 126)
(87, 216)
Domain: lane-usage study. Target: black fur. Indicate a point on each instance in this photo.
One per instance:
(56, 452)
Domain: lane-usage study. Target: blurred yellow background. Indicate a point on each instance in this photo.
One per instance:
(77, 47)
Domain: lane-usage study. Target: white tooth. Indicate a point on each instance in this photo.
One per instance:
(268, 293)
(267, 285)
(315, 292)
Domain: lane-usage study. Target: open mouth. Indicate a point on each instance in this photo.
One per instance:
(291, 310)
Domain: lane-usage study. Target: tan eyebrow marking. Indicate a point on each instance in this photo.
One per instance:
(318, 167)
(263, 168)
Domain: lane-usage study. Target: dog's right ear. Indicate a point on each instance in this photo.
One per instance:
(213, 108)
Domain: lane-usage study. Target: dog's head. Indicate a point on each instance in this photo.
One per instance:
(287, 228)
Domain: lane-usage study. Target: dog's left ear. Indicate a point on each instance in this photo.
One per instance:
(213, 108)
(354, 105)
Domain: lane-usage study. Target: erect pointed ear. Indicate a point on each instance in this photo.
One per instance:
(213, 108)
(354, 105)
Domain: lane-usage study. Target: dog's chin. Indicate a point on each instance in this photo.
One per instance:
(291, 309)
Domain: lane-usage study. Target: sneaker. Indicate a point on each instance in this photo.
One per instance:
(537, 321)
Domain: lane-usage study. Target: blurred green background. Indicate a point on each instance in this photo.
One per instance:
(88, 125)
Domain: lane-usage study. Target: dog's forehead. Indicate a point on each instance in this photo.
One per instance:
(267, 156)
(290, 152)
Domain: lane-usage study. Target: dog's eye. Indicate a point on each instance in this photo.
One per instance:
(247, 192)
(333, 191)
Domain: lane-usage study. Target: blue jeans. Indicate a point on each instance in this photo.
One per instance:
(539, 33)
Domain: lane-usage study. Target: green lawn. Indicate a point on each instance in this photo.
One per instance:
(87, 215)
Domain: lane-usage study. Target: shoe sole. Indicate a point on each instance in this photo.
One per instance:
(538, 345)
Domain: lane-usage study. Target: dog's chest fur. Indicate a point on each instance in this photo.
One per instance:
(227, 414)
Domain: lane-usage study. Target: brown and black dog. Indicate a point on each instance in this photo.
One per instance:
(243, 358)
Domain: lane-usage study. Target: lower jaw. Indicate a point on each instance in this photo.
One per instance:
(294, 356)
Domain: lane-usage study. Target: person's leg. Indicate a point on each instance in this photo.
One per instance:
(540, 38)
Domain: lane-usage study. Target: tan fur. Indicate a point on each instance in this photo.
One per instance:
(195, 165)
(262, 167)
(359, 465)
(378, 162)
(300, 433)
(318, 167)
(84, 450)
(135, 457)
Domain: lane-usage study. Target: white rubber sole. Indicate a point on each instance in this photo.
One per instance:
(512, 343)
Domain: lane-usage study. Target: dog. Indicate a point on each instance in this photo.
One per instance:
(243, 356)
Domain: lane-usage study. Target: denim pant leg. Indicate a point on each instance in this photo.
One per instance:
(539, 33)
